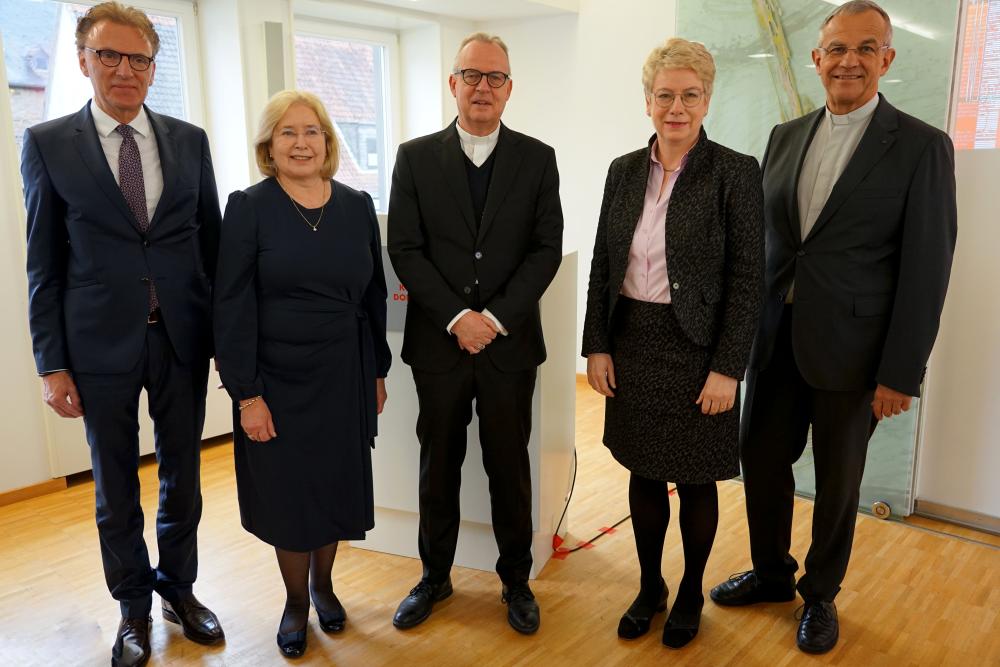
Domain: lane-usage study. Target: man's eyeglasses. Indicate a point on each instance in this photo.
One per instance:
(689, 98)
(111, 58)
(863, 51)
(472, 77)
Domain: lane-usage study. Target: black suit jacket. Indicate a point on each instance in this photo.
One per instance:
(88, 262)
(871, 276)
(714, 250)
(448, 263)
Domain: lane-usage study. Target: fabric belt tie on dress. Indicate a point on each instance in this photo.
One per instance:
(367, 384)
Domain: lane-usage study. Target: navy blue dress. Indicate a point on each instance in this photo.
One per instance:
(300, 319)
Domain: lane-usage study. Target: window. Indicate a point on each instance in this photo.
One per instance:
(349, 71)
(42, 69)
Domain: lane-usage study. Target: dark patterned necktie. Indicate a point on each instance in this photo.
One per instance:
(133, 187)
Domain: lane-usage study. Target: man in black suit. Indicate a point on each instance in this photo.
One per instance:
(860, 230)
(123, 227)
(475, 234)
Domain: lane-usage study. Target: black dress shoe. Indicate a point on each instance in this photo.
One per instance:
(635, 622)
(746, 588)
(131, 647)
(681, 627)
(819, 628)
(522, 610)
(198, 622)
(417, 606)
(331, 620)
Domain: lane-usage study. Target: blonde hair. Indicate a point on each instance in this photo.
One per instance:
(485, 38)
(116, 12)
(276, 107)
(677, 53)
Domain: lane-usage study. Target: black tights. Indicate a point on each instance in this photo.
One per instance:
(699, 516)
(305, 573)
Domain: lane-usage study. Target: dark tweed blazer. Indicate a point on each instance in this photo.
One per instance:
(715, 250)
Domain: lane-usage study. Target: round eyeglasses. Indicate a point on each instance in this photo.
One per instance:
(111, 58)
(472, 77)
(689, 98)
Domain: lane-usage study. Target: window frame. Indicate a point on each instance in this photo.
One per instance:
(318, 27)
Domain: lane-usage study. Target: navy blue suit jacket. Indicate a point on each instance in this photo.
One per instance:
(88, 261)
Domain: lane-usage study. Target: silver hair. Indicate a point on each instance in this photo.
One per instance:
(853, 7)
(485, 38)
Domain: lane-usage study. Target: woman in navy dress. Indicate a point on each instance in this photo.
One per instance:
(300, 313)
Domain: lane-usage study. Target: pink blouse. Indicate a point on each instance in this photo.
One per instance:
(646, 273)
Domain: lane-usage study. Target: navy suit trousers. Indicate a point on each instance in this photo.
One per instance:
(176, 394)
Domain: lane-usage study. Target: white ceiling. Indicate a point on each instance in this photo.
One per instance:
(407, 11)
(486, 10)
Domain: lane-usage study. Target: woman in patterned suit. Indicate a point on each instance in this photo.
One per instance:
(674, 295)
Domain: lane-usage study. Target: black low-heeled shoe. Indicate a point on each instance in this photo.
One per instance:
(292, 644)
(332, 621)
(681, 627)
(635, 622)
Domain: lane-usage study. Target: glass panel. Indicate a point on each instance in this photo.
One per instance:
(764, 46)
(349, 78)
(42, 68)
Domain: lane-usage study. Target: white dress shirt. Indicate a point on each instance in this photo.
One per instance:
(149, 153)
(478, 150)
(832, 147)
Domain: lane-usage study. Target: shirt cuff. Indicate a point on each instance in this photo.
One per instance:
(58, 370)
(456, 319)
(487, 313)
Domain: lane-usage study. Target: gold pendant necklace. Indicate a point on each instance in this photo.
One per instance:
(302, 215)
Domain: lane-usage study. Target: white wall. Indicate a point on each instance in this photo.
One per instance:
(24, 459)
(577, 87)
(959, 457)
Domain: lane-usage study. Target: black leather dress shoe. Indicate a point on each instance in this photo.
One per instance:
(331, 620)
(199, 623)
(417, 606)
(819, 628)
(681, 627)
(635, 622)
(746, 588)
(131, 647)
(522, 609)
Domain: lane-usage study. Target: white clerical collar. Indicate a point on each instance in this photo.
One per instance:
(478, 149)
(862, 113)
(106, 125)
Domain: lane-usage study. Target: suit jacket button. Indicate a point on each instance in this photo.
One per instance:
(478, 255)
(146, 243)
(675, 286)
(467, 290)
(801, 253)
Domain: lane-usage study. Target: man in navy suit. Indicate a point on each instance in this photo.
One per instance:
(123, 227)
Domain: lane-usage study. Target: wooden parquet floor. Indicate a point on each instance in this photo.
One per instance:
(911, 597)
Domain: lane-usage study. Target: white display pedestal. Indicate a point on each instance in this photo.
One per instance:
(396, 455)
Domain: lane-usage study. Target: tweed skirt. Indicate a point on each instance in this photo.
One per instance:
(652, 425)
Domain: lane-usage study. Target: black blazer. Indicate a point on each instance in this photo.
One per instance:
(448, 263)
(714, 250)
(89, 263)
(871, 276)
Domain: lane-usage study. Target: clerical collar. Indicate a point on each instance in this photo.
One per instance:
(862, 113)
(478, 149)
